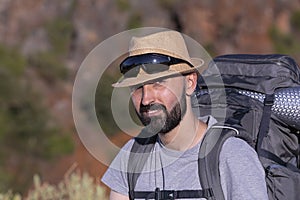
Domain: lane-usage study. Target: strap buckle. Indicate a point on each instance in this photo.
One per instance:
(165, 194)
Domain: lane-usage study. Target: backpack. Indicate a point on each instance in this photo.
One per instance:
(260, 96)
(246, 94)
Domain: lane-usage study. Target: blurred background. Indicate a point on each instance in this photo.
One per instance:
(43, 43)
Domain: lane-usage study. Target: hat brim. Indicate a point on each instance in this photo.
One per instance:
(144, 77)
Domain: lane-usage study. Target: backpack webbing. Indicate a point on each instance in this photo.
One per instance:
(137, 159)
(139, 154)
(208, 161)
(172, 194)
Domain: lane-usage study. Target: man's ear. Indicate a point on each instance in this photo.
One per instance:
(191, 83)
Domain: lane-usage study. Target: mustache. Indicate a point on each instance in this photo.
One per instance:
(156, 106)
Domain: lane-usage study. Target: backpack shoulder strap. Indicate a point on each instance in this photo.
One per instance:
(138, 156)
(208, 161)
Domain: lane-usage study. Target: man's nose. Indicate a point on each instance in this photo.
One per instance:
(148, 94)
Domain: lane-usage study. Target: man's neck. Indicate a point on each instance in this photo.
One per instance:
(186, 135)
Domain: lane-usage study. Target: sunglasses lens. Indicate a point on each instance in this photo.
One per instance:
(155, 68)
(151, 63)
(135, 61)
(148, 68)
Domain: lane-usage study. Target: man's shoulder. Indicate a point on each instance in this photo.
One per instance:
(236, 148)
(235, 143)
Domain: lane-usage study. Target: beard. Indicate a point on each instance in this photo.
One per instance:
(166, 121)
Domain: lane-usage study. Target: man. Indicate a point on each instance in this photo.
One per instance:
(162, 78)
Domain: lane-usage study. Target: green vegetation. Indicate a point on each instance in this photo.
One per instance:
(60, 32)
(135, 20)
(31, 131)
(29, 135)
(11, 61)
(103, 104)
(10, 196)
(75, 186)
(49, 64)
(27, 131)
(287, 43)
(167, 4)
(211, 50)
(295, 20)
(283, 43)
(123, 5)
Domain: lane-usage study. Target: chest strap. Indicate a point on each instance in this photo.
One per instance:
(171, 194)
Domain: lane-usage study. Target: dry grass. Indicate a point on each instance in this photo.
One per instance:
(74, 186)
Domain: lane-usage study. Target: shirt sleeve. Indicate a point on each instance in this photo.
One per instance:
(115, 176)
(242, 175)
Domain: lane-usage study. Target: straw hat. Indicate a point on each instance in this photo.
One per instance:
(170, 43)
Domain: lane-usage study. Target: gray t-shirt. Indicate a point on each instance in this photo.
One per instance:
(242, 175)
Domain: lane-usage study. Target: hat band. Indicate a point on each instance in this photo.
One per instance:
(151, 63)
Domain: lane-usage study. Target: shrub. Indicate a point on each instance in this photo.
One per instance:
(27, 130)
(11, 61)
(49, 66)
(74, 186)
(10, 196)
(60, 32)
(295, 20)
(134, 21)
(123, 5)
(284, 43)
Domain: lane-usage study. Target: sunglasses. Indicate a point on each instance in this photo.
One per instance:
(151, 63)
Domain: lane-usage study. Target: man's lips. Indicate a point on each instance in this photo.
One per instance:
(151, 113)
(151, 110)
